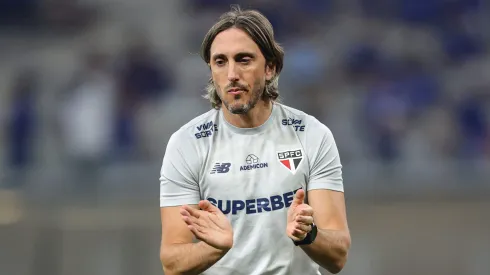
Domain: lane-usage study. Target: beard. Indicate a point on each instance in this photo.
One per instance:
(237, 107)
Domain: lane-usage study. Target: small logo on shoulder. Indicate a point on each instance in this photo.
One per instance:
(297, 124)
(206, 130)
(290, 159)
(221, 168)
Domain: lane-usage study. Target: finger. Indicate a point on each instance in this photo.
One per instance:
(192, 211)
(304, 219)
(190, 220)
(214, 220)
(218, 221)
(299, 234)
(296, 239)
(184, 212)
(196, 224)
(303, 227)
(197, 231)
(187, 220)
(207, 206)
(299, 197)
(306, 211)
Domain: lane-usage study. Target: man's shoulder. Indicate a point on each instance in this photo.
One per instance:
(198, 127)
(293, 115)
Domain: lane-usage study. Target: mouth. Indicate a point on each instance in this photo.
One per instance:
(236, 91)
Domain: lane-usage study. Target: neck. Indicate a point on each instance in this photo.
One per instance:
(257, 116)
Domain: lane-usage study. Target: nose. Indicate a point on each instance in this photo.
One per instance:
(233, 75)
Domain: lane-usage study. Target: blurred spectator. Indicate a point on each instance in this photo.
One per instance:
(378, 8)
(385, 115)
(361, 61)
(67, 15)
(458, 41)
(143, 79)
(206, 5)
(39, 14)
(432, 137)
(313, 7)
(420, 11)
(459, 45)
(143, 73)
(87, 116)
(473, 117)
(19, 12)
(305, 63)
(419, 86)
(21, 125)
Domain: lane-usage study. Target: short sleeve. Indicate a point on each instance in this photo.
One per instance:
(325, 165)
(180, 172)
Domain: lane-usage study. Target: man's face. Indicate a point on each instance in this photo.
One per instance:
(239, 70)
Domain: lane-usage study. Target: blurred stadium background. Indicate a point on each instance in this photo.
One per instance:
(91, 90)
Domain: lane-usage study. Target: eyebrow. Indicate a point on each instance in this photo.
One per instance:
(238, 55)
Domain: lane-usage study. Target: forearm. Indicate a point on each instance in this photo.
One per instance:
(329, 249)
(192, 258)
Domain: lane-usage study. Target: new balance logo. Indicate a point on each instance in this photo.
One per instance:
(221, 168)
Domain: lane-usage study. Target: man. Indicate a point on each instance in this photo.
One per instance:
(257, 183)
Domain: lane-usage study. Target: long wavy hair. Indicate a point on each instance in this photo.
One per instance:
(258, 27)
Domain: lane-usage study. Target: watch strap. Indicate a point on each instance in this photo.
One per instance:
(310, 237)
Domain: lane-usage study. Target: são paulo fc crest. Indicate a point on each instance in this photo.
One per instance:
(291, 159)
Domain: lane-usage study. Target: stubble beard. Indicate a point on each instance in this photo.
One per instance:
(244, 108)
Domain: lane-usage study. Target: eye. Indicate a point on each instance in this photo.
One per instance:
(220, 62)
(245, 60)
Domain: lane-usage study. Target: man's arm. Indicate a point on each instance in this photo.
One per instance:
(179, 186)
(326, 198)
(178, 253)
(332, 242)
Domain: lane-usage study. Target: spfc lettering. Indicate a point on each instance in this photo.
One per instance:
(290, 159)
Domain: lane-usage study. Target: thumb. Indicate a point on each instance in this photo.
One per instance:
(299, 197)
(207, 206)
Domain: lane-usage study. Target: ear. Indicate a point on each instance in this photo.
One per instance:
(270, 71)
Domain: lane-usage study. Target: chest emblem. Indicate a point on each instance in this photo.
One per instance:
(290, 159)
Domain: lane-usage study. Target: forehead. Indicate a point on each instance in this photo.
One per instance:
(232, 41)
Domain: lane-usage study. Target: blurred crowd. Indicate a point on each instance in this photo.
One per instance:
(396, 81)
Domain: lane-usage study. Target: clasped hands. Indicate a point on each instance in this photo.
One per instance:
(210, 225)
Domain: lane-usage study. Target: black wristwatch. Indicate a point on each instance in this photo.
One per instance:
(310, 237)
